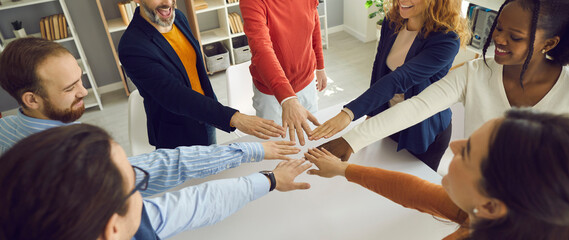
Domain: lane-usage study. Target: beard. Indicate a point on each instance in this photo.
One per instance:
(154, 16)
(66, 115)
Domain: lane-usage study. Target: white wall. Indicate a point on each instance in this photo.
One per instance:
(356, 21)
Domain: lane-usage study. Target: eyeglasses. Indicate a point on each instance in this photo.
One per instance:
(141, 178)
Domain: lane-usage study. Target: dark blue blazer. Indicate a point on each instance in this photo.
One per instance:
(176, 114)
(428, 60)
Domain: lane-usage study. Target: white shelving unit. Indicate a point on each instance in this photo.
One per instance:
(222, 32)
(324, 22)
(93, 99)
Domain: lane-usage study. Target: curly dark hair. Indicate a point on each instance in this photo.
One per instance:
(551, 16)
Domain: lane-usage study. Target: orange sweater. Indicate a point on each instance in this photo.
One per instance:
(187, 55)
(410, 192)
(285, 41)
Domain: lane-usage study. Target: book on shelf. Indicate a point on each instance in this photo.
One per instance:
(53, 27)
(235, 23)
(55, 21)
(200, 4)
(45, 22)
(42, 28)
(127, 9)
(65, 30)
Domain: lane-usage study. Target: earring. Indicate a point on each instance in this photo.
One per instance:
(543, 51)
(475, 211)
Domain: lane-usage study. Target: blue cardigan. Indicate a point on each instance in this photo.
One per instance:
(428, 60)
(176, 114)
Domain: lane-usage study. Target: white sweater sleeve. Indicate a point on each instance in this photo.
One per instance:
(437, 97)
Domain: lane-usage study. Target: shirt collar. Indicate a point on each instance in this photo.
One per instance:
(40, 122)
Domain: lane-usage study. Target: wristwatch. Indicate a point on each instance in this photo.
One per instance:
(271, 177)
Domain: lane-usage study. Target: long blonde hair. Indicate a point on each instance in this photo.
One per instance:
(440, 16)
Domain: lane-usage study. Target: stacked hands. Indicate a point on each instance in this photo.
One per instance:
(294, 117)
(286, 171)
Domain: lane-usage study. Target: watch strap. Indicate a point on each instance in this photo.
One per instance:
(271, 176)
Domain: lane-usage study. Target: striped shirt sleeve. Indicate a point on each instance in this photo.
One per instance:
(170, 167)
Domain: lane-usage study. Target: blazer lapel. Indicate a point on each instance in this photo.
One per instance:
(161, 43)
(164, 45)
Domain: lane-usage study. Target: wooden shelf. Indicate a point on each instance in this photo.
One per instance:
(38, 35)
(215, 35)
(212, 6)
(7, 4)
(237, 34)
(116, 25)
(233, 4)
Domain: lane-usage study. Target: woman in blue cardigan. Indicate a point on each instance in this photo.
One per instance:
(418, 43)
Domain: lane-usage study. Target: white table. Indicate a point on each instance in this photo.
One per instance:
(332, 208)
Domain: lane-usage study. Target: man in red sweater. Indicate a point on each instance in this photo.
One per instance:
(285, 40)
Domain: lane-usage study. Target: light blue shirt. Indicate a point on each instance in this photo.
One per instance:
(204, 204)
(170, 167)
(16, 127)
(167, 167)
(186, 209)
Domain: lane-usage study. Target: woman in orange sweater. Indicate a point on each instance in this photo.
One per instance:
(509, 180)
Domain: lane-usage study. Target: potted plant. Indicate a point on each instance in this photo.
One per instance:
(19, 31)
(381, 8)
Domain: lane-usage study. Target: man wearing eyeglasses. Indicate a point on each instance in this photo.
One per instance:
(84, 187)
(45, 79)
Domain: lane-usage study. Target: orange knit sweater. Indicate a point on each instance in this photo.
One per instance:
(410, 192)
(285, 41)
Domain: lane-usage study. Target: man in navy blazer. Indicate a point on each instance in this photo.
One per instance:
(177, 114)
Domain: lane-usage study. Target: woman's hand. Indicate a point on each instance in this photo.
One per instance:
(279, 149)
(328, 164)
(339, 147)
(331, 127)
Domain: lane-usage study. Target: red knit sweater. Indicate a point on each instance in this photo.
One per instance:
(284, 37)
(410, 192)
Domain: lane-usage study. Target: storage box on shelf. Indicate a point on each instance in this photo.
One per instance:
(216, 57)
(228, 30)
(241, 49)
(41, 9)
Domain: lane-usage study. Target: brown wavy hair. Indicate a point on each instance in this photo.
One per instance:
(441, 16)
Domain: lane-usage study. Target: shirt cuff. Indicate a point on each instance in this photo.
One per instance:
(252, 151)
(288, 98)
(349, 112)
(261, 185)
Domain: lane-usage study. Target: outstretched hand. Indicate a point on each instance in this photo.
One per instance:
(328, 164)
(287, 171)
(331, 127)
(256, 126)
(339, 147)
(294, 118)
(279, 149)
